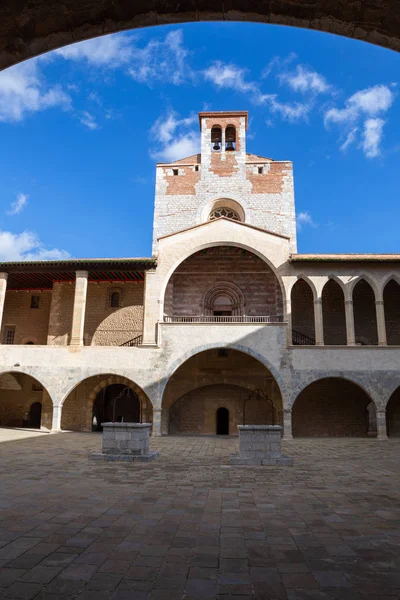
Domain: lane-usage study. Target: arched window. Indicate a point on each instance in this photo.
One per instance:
(216, 138)
(365, 325)
(115, 300)
(224, 211)
(333, 312)
(391, 301)
(230, 138)
(303, 329)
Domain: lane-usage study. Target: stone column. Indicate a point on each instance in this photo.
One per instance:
(165, 421)
(151, 309)
(319, 324)
(350, 331)
(287, 424)
(380, 321)
(3, 289)
(289, 321)
(381, 425)
(56, 423)
(156, 422)
(78, 316)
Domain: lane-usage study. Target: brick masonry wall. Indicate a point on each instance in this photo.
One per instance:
(31, 324)
(331, 407)
(200, 272)
(333, 312)
(365, 314)
(15, 404)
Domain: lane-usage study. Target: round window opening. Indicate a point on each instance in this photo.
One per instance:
(229, 213)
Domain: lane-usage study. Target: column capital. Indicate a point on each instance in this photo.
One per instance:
(379, 302)
(317, 301)
(82, 274)
(349, 302)
(4, 276)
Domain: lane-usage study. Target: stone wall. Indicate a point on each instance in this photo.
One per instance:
(15, 403)
(196, 412)
(198, 274)
(331, 407)
(104, 326)
(31, 324)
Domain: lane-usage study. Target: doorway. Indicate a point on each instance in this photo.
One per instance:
(35, 415)
(222, 421)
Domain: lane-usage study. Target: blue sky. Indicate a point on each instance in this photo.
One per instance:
(81, 129)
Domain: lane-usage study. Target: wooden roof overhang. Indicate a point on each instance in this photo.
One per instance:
(40, 275)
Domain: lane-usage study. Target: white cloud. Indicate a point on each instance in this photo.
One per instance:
(174, 138)
(107, 51)
(292, 112)
(23, 90)
(372, 136)
(18, 204)
(363, 108)
(304, 218)
(88, 120)
(26, 246)
(304, 79)
(229, 76)
(161, 60)
(350, 139)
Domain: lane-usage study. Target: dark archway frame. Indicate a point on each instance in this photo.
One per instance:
(30, 29)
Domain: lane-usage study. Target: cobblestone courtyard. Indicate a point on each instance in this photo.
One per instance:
(190, 526)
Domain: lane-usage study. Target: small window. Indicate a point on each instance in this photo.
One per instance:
(115, 300)
(175, 171)
(35, 301)
(9, 334)
(196, 168)
(222, 353)
(260, 170)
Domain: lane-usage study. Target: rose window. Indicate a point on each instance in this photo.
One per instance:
(217, 213)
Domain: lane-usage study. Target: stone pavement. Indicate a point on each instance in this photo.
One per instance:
(190, 526)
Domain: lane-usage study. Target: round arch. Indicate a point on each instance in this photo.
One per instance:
(84, 19)
(221, 346)
(23, 391)
(218, 376)
(333, 406)
(77, 414)
(235, 244)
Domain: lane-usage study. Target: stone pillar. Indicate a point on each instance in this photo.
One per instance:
(78, 316)
(319, 323)
(287, 424)
(3, 289)
(350, 331)
(380, 321)
(151, 309)
(165, 421)
(381, 424)
(56, 423)
(289, 321)
(156, 422)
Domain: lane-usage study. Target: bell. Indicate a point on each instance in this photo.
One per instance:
(229, 146)
(216, 146)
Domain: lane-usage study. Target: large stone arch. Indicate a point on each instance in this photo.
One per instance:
(210, 379)
(334, 406)
(81, 397)
(190, 252)
(48, 24)
(18, 391)
(173, 367)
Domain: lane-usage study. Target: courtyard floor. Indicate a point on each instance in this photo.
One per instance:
(190, 526)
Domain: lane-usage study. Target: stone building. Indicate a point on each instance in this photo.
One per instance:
(225, 306)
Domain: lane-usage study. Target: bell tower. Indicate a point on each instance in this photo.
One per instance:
(223, 142)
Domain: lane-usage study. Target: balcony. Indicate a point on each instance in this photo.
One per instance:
(223, 319)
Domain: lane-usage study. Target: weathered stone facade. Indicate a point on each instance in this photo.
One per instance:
(226, 307)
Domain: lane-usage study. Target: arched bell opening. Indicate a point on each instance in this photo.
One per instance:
(216, 138)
